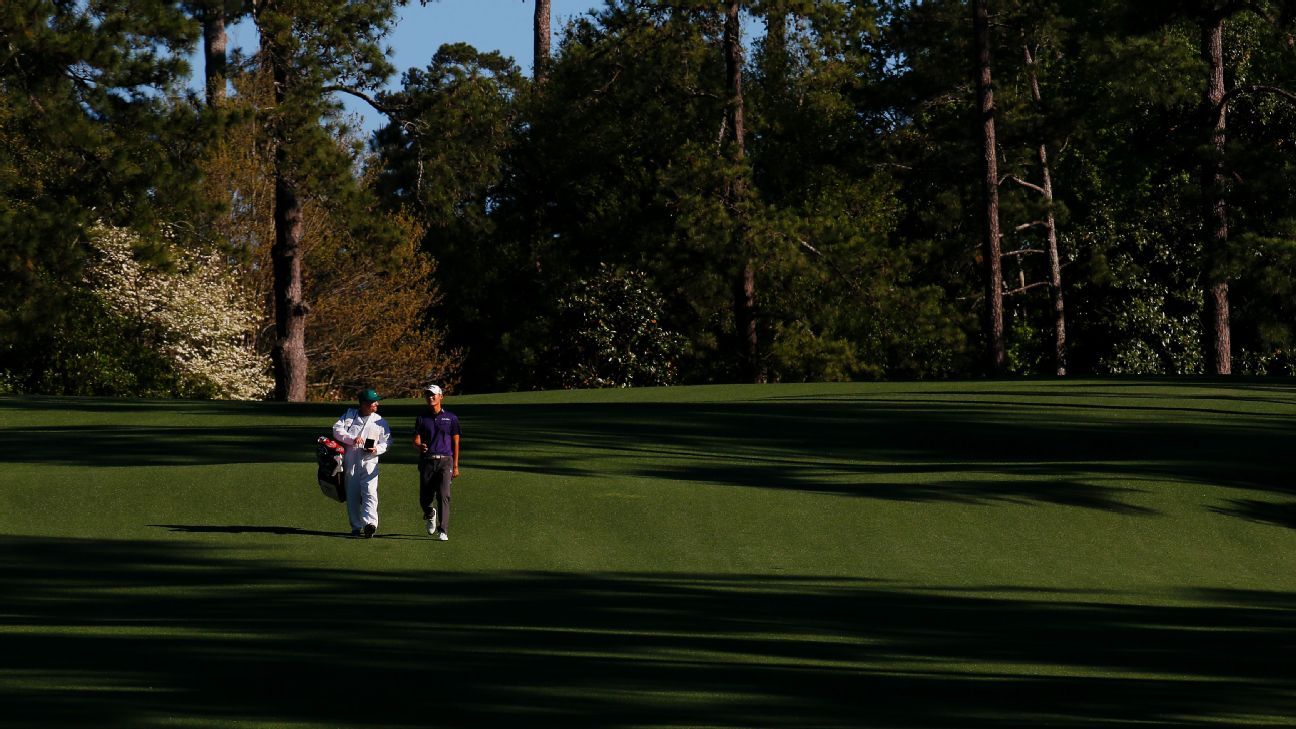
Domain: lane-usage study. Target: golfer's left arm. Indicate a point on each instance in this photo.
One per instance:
(454, 439)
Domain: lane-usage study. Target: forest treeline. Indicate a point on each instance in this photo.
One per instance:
(677, 191)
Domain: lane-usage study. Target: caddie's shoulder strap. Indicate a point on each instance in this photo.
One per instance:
(364, 424)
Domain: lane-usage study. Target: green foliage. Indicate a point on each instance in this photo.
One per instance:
(313, 51)
(1120, 114)
(846, 298)
(799, 354)
(1262, 255)
(94, 351)
(92, 127)
(496, 208)
(1154, 336)
(443, 160)
(619, 162)
(610, 334)
(444, 153)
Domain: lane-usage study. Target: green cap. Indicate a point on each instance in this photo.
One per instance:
(370, 395)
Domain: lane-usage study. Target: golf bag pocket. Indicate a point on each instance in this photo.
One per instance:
(331, 477)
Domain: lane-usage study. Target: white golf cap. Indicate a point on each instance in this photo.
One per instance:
(431, 390)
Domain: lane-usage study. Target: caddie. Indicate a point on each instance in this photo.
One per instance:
(366, 436)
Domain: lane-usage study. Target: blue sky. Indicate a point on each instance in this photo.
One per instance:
(488, 25)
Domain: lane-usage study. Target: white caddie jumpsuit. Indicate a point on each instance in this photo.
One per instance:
(361, 468)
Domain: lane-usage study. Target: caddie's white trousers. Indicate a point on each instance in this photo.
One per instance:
(362, 495)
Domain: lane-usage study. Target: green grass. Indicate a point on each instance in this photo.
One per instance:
(1088, 553)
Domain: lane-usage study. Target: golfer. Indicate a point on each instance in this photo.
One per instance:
(436, 438)
(366, 436)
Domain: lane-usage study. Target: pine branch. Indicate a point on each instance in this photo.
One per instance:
(852, 283)
(1027, 287)
(391, 111)
(1237, 91)
(1023, 183)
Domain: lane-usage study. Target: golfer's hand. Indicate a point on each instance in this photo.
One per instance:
(455, 472)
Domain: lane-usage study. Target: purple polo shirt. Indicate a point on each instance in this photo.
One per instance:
(437, 430)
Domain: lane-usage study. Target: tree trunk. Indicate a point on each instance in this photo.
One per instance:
(744, 292)
(541, 60)
(1050, 223)
(214, 45)
(994, 329)
(288, 355)
(1055, 269)
(289, 352)
(1219, 355)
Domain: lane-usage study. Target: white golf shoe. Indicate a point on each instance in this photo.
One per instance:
(432, 523)
(443, 537)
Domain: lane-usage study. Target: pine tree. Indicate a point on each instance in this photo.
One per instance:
(996, 362)
(93, 128)
(312, 49)
(744, 284)
(444, 163)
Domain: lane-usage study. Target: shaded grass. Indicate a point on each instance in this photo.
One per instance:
(1087, 553)
(125, 633)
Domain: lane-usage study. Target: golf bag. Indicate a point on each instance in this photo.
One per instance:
(332, 479)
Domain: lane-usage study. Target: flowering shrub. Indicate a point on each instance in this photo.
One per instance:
(195, 316)
(610, 334)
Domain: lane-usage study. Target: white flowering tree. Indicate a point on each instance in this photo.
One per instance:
(194, 313)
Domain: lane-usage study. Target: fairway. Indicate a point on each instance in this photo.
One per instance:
(1087, 553)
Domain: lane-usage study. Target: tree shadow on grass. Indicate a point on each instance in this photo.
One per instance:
(1262, 512)
(249, 529)
(277, 530)
(131, 446)
(1016, 486)
(130, 634)
(1006, 451)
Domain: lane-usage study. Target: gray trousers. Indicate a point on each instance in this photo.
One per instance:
(435, 476)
